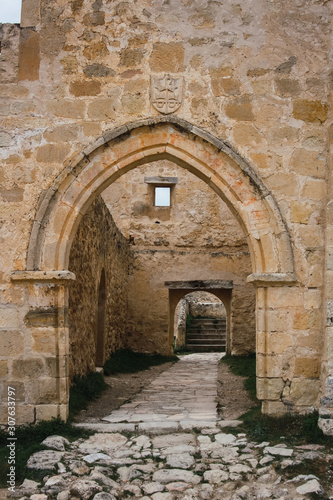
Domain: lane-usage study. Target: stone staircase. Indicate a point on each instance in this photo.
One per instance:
(206, 335)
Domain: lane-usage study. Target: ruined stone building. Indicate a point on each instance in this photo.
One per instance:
(226, 107)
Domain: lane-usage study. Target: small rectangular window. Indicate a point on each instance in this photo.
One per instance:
(162, 196)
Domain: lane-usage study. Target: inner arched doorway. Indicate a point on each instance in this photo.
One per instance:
(221, 289)
(68, 199)
(200, 323)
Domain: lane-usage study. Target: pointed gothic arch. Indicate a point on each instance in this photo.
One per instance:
(61, 208)
(118, 151)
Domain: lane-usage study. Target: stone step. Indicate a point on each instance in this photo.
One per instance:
(201, 329)
(206, 348)
(208, 321)
(206, 341)
(218, 338)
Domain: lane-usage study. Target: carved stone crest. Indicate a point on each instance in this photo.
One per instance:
(166, 93)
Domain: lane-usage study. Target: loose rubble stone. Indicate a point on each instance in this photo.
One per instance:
(216, 476)
(104, 496)
(275, 450)
(85, 488)
(225, 438)
(103, 442)
(56, 443)
(181, 461)
(171, 475)
(151, 488)
(312, 486)
(44, 460)
(94, 457)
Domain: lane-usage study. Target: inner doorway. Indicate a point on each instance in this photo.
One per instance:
(217, 322)
(200, 323)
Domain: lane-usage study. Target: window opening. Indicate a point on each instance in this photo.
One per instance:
(162, 196)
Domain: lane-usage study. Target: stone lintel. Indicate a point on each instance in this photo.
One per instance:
(272, 279)
(161, 180)
(199, 284)
(43, 276)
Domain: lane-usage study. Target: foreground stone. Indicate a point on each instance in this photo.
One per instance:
(189, 465)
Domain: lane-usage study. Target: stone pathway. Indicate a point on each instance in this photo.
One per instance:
(182, 397)
(174, 448)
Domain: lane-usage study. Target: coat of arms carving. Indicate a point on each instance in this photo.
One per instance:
(166, 93)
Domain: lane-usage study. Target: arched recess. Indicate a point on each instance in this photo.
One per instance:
(60, 210)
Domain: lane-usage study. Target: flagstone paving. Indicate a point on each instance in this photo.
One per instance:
(183, 396)
(174, 448)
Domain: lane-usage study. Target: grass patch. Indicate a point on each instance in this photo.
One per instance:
(83, 390)
(244, 366)
(126, 361)
(294, 429)
(29, 438)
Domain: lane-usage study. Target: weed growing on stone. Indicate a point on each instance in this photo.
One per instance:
(244, 366)
(126, 361)
(29, 439)
(83, 390)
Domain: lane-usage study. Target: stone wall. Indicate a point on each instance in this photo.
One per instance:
(98, 246)
(257, 80)
(196, 238)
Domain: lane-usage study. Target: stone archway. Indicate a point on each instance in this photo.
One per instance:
(179, 289)
(222, 289)
(61, 208)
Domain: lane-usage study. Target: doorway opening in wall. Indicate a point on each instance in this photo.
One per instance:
(200, 323)
(199, 239)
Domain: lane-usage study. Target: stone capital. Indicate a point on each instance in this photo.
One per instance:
(63, 277)
(272, 279)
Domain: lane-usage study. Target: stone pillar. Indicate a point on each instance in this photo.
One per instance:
(39, 370)
(288, 346)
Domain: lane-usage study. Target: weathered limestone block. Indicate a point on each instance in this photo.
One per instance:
(66, 108)
(306, 162)
(240, 109)
(103, 108)
(301, 212)
(307, 367)
(304, 391)
(310, 111)
(52, 153)
(11, 343)
(29, 55)
(167, 57)
(33, 367)
(81, 88)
